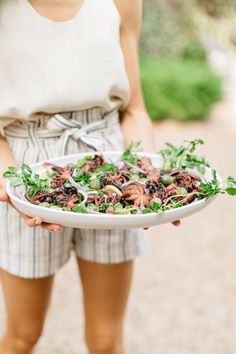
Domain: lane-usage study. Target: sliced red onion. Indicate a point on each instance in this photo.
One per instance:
(49, 164)
(84, 193)
(79, 189)
(174, 173)
(56, 167)
(136, 168)
(114, 198)
(20, 195)
(120, 165)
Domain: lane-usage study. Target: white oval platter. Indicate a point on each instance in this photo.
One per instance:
(106, 221)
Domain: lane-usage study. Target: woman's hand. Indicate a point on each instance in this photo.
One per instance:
(7, 159)
(176, 223)
(29, 221)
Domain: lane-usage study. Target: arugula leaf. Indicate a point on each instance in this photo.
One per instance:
(194, 143)
(83, 178)
(106, 167)
(25, 175)
(81, 163)
(26, 170)
(173, 204)
(129, 154)
(104, 206)
(80, 209)
(212, 187)
(93, 207)
(183, 156)
(231, 190)
(11, 172)
(147, 211)
(231, 181)
(231, 186)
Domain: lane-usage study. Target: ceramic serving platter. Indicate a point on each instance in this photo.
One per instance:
(106, 221)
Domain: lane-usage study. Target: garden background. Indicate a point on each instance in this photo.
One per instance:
(184, 290)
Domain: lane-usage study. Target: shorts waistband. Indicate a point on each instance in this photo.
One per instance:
(77, 125)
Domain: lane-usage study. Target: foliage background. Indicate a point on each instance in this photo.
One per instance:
(177, 79)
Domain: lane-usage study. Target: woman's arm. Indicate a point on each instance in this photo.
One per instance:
(6, 159)
(136, 124)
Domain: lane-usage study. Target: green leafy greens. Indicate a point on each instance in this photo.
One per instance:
(231, 185)
(32, 181)
(130, 153)
(183, 156)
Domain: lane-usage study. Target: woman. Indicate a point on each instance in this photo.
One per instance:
(78, 57)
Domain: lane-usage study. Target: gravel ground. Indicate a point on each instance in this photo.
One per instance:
(184, 290)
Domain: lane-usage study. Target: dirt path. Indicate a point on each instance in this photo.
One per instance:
(184, 291)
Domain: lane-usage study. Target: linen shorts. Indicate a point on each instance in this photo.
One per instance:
(34, 252)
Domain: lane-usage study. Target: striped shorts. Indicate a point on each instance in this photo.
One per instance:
(34, 252)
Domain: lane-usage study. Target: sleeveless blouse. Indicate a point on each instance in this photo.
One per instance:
(49, 67)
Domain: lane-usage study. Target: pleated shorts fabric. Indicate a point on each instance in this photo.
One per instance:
(34, 252)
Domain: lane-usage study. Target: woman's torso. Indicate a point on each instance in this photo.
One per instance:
(48, 66)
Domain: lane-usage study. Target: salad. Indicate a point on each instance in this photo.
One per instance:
(130, 185)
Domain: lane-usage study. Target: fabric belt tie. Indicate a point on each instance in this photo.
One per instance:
(64, 128)
(72, 128)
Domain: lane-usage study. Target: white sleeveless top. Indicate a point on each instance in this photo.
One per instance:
(50, 67)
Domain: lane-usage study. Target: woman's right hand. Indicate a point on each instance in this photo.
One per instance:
(29, 221)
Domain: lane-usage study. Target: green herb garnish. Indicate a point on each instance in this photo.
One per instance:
(83, 178)
(231, 185)
(183, 156)
(130, 153)
(32, 181)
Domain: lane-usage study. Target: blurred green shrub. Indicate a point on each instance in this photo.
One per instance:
(179, 89)
(194, 50)
(180, 84)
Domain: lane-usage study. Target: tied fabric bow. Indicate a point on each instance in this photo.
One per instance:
(75, 130)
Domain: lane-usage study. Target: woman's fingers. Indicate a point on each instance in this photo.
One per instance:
(51, 227)
(31, 222)
(176, 223)
(4, 196)
(37, 221)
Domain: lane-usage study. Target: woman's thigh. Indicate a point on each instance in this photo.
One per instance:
(26, 303)
(106, 289)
